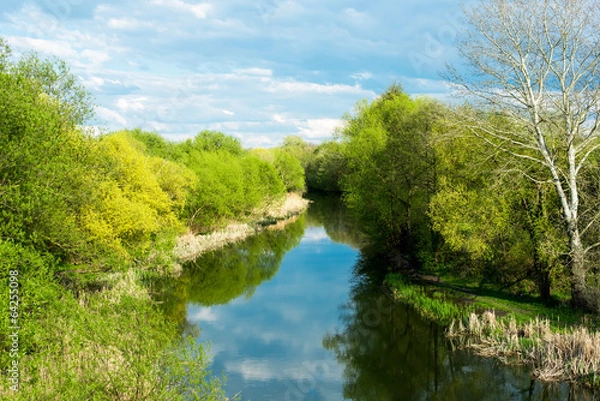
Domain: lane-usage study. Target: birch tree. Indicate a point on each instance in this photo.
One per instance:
(538, 63)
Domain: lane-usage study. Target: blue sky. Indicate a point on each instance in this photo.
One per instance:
(257, 70)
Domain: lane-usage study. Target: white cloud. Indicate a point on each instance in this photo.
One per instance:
(362, 75)
(281, 67)
(260, 141)
(262, 72)
(357, 17)
(320, 128)
(310, 87)
(278, 118)
(110, 116)
(128, 23)
(200, 10)
(126, 104)
(95, 56)
(59, 49)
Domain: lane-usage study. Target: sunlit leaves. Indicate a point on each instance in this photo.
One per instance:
(390, 165)
(131, 203)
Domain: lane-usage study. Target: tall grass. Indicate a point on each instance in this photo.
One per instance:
(112, 344)
(569, 353)
(432, 305)
(572, 355)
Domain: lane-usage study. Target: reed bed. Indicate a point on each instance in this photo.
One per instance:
(570, 355)
(190, 245)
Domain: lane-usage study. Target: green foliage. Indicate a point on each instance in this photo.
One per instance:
(299, 148)
(291, 171)
(228, 186)
(131, 206)
(509, 237)
(44, 180)
(326, 167)
(222, 181)
(156, 145)
(391, 167)
(212, 141)
(61, 88)
(5, 53)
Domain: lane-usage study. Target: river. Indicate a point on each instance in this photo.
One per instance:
(297, 314)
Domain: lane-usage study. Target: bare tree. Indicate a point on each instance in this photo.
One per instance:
(538, 62)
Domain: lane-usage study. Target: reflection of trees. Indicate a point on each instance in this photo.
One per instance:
(220, 276)
(388, 352)
(330, 212)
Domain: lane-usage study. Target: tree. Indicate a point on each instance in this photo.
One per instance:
(510, 237)
(133, 201)
(390, 167)
(299, 148)
(326, 167)
(538, 63)
(44, 180)
(291, 171)
(212, 141)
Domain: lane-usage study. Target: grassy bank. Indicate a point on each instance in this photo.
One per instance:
(88, 334)
(558, 343)
(190, 245)
(103, 344)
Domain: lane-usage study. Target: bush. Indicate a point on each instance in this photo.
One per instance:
(290, 170)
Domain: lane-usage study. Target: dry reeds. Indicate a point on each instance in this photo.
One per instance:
(572, 355)
(292, 205)
(190, 246)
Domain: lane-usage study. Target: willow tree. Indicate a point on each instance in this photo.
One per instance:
(537, 62)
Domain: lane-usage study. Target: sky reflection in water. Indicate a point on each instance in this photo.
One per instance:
(294, 315)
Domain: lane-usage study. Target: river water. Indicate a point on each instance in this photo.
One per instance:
(297, 315)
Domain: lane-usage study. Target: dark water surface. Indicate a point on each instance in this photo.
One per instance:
(295, 315)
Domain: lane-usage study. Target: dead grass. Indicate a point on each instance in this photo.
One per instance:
(292, 205)
(572, 355)
(190, 246)
(277, 216)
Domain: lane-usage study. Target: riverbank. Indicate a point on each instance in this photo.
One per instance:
(119, 344)
(104, 340)
(190, 246)
(558, 343)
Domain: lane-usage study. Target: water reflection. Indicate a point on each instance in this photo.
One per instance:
(329, 212)
(270, 344)
(388, 352)
(298, 314)
(218, 277)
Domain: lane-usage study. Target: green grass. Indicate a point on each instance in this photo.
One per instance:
(471, 295)
(432, 303)
(558, 342)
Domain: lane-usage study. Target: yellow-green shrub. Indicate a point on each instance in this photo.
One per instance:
(131, 204)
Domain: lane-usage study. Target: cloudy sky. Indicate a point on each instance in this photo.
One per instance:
(257, 70)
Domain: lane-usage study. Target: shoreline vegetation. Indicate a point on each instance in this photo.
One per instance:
(276, 216)
(558, 344)
(493, 203)
(87, 221)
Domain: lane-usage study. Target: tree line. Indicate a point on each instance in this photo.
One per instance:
(504, 186)
(421, 182)
(84, 218)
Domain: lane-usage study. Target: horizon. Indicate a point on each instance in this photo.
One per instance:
(256, 72)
